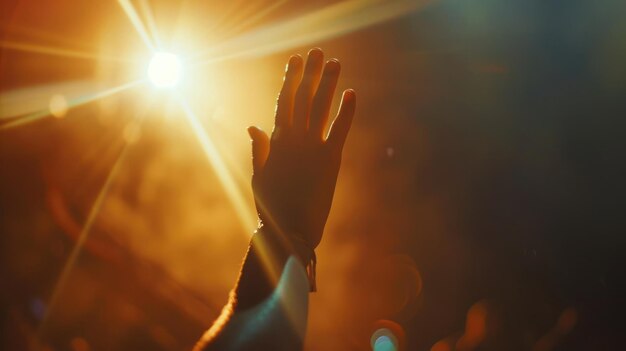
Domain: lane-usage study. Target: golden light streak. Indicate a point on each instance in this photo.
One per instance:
(71, 260)
(132, 15)
(323, 24)
(147, 13)
(34, 116)
(218, 24)
(242, 208)
(239, 16)
(21, 101)
(13, 29)
(246, 214)
(54, 51)
(257, 17)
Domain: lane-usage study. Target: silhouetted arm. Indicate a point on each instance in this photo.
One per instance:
(294, 179)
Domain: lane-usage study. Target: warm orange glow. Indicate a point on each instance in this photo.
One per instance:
(58, 105)
(244, 210)
(56, 51)
(130, 11)
(82, 238)
(325, 23)
(177, 205)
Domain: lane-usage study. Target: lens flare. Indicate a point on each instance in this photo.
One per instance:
(387, 335)
(164, 70)
(383, 339)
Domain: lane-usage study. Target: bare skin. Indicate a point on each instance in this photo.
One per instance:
(295, 173)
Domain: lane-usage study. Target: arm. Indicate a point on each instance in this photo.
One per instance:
(295, 172)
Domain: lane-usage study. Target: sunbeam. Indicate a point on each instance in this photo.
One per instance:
(15, 30)
(132, 15)
(240, 15)
(54, 51)
(219, 23)
(246, 214)
(84, 234)
(244, 23)
(242, 208)
(323, 24)
(48, 110)
(154, 30)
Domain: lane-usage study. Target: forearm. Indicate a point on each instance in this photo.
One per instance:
(256, 313)
(262, 267)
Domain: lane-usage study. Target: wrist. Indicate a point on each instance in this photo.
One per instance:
(279, 244)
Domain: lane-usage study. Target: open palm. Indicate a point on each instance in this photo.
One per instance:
(295, 171)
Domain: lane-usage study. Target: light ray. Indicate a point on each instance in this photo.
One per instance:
(132, 15)
(54, 51)
(81, 100)
(22, 101)
(71, 260)
(247, 215)
(242, 208)
(218, 24)
(240, 15)
(154, 30)
(243, 24)
(323, 24)
(14, 30)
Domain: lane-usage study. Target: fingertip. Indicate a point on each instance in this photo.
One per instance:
(348, 105)
(333, 66)
(349, 95)
(315, 57)
(316, 52)
(295, 60)
(294, 64)
(254, 131)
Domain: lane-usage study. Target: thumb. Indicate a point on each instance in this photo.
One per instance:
(260, 148)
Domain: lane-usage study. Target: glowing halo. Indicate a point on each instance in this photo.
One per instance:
(164, 70)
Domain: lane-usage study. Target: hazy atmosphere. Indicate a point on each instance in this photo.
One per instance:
(480, 203)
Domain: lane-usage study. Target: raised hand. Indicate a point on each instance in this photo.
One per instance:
(295, 171)
(294, 179)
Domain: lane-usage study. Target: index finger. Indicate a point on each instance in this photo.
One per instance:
(341, 126)
(284, 105)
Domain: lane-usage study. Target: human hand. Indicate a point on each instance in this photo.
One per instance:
(296, 171)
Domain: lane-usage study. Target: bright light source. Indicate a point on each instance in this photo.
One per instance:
(164, 70)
